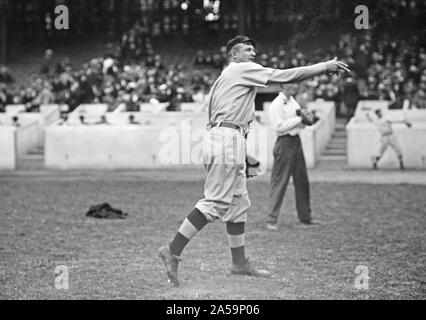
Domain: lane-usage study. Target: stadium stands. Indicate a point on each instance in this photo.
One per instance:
(144, 72)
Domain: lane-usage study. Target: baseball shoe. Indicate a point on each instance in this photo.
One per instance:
(271, 226)
(311, 222)
(171, 263)
(249, 270)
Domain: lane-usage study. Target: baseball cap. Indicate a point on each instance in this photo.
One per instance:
(239, 39)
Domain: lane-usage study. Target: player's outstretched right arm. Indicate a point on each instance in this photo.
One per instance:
(302, 73)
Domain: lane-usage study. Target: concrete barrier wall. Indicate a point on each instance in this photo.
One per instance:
(364, 143)
(163, 139)
(30, 128)
(91, 109)
(146, 118)
(7, 148)
(161, 119)
(122, 147)
(135, 147)
(48, 115)
(12, 109)
(6, 119)
(412, 115)
(27, 138)
(325, 129)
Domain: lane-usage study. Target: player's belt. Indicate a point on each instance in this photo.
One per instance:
(233, 126)
(230, 125)
(290, 135)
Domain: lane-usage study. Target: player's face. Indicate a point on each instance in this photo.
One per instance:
(245, 52)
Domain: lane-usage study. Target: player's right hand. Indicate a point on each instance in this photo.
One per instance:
(334, 66)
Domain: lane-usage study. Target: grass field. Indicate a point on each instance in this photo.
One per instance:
(43, 225)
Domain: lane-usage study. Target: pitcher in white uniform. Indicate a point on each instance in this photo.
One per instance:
(231, 110)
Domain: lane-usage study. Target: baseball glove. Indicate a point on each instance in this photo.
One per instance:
(252, 167)
(307, 116)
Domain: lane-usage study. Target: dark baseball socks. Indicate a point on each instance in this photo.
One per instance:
(189, 228)
(236, 238)
(195, 222)
(401, 163)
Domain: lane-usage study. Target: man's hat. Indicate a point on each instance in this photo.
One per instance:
(238, 39)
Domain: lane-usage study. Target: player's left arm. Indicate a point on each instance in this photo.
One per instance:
(252, 74)
(302, 73)
(406, 122)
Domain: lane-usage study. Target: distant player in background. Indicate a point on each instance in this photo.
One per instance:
(388, 138)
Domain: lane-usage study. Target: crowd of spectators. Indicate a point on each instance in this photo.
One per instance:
(216, 60)
(383, 67)
(130, 72)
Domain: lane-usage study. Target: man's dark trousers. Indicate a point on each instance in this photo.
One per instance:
(289, 161)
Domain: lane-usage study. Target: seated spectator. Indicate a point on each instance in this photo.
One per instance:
(15, 121)
(103, 120)
(199, 59)
(5, 97)
(46, 95)
(274, 62)
(132, 120)
(63, 65)
(223, 53)
(158, 63)
(47, 65)
(417, 101)
(198, 95)
(5, 75)
(28, 99)
(82, 120)
(218, 61)
(64, 120)
(208, 60)
(150, 62)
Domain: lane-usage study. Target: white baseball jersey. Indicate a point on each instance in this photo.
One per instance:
(282, 116)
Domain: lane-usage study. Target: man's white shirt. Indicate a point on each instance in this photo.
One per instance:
(282, 116)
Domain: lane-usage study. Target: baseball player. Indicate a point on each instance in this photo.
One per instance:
(231, 110)
(387, 137)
